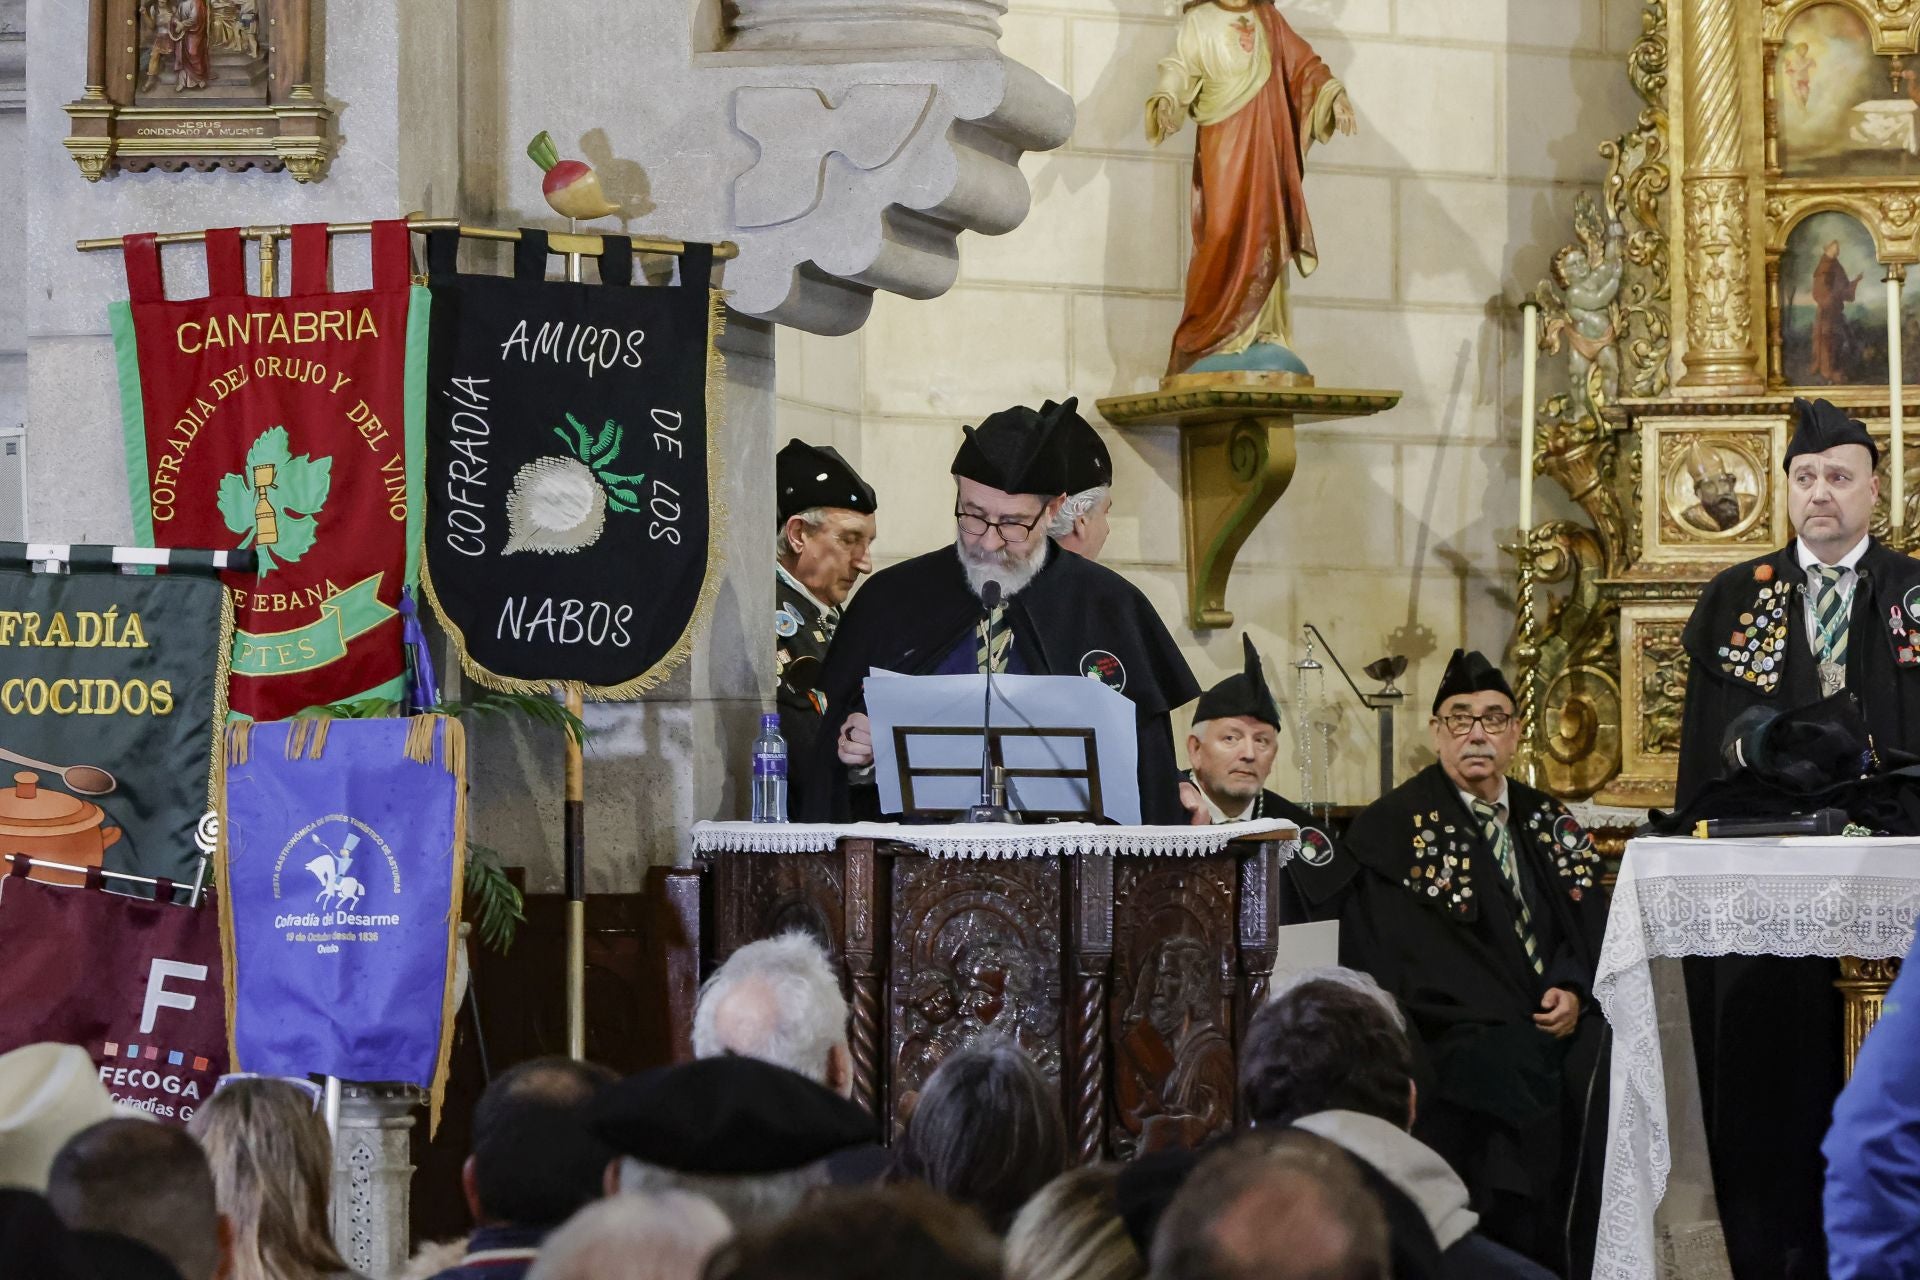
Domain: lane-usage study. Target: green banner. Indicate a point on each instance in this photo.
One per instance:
(343, 617)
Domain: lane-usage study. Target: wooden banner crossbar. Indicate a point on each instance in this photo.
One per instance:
(585, 243)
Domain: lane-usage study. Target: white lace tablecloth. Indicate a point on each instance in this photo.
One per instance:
(986, 839)
(1804, 896)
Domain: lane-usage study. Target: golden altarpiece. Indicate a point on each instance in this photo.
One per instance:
(1737, 257)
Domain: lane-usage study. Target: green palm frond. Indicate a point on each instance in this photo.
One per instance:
(493, 904)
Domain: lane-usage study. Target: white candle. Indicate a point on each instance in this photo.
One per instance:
(1896, 406)
(1528, 379)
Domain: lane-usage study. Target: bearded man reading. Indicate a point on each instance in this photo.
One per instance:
(1059, 614)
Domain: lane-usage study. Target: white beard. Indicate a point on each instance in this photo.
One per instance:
(982, 567)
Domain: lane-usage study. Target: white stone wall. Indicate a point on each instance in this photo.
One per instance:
(1478, 122)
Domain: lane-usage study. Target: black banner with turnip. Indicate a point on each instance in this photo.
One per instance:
(569, 514)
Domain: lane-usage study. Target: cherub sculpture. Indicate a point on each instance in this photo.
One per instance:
(1576, 308)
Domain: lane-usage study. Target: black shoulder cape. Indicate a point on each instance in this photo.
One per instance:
(1747, 646)
(1074, 618)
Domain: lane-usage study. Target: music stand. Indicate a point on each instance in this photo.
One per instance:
(1089, 772)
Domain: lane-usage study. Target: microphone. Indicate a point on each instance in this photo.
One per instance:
(993, 798)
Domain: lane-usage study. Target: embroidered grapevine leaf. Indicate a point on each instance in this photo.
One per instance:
(561, 504)
(294, 492)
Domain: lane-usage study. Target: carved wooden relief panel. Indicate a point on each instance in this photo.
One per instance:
(762, 895)
(1171, 1012)
(976, 951)
(1653, 684)
(1708, 489)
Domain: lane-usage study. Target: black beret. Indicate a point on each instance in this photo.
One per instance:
(808, 476)
(1017, 450)
(1089, 465)
(1468, 671)
(727, 1115)
(1245, 694)
(1821, 425)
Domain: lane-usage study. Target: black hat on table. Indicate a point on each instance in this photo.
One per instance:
(1245, 694)
(1820, 425)
(727, 1115)
(1018, 450)
(1089, 465)
(808, 476)
(1468, 671)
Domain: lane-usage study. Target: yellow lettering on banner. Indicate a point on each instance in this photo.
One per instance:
(86, 697)
(306, 326)
(366, 328)
(57, 633)
(135, 636)
(180, 336)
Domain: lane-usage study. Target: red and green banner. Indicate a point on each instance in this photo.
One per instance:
(292, 426)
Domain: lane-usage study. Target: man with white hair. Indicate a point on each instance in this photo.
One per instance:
(1081, 526)
(1054, 614)
(777, 1000)
(635, 1237)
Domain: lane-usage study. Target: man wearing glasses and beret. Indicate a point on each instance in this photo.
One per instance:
(1478, 908)
(1060, 614)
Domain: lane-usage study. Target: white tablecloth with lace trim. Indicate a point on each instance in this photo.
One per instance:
(988, 839)
(1803, 896)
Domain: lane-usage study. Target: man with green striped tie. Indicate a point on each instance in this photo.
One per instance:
(1477, 907)
(1835, 609)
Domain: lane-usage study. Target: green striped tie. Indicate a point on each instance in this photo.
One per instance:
(1502, 841)
(1830, 610)
(992, 638)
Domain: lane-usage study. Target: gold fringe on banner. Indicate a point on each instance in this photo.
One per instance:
(453, 755)
(296, 741)
(318, 741)
(420, 739)
(239, 746)
(717, 513)
(222, 673)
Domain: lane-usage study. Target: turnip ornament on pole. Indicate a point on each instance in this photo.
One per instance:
(571, 472)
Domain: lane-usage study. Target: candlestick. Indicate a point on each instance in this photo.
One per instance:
(1896, 415)
(1529, 378)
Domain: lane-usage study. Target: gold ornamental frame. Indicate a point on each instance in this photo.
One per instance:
(291, 130)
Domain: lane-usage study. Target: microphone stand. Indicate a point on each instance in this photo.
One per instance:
(993, 786)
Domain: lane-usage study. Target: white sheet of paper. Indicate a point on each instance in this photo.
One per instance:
(1299, 947)
(1035, 702)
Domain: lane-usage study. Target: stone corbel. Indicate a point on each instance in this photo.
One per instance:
(881, 130)
(1236, 459)
(13, 56)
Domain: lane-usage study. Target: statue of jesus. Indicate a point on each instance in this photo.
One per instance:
(1261, 97)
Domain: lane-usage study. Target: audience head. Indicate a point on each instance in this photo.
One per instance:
(1283, 1207)
(986, 1131)
(874, 1233)
(744, 1133)
(634, 1237)
(1327, 1044)
(1071, 1230)
(778, 1000)
(148, 1182)
(48, 1093)
(535, 1160)
(272, 1176)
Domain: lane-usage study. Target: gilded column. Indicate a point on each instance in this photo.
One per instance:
(1720, 347)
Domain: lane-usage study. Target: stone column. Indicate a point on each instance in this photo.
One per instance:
(371, 1172)
(1721, 354)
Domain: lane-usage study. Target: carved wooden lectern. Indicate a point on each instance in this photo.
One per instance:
(1127, 978)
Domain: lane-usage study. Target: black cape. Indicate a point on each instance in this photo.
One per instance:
(1734, 626)
(1433, 922)
(1319, 875)
(1073, 616)
(1766, 1096)
(801, 635)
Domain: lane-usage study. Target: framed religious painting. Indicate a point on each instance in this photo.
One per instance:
(1841, 104)
(1829, 305)
(201, 84)
(1707, 491)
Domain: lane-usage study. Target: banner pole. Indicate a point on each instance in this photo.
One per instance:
(576, 835)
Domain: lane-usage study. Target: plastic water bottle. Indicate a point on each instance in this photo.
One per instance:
(770, 772)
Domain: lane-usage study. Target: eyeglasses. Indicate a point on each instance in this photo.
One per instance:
(1010, 530)
(1460, 724)
(313, 1091)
